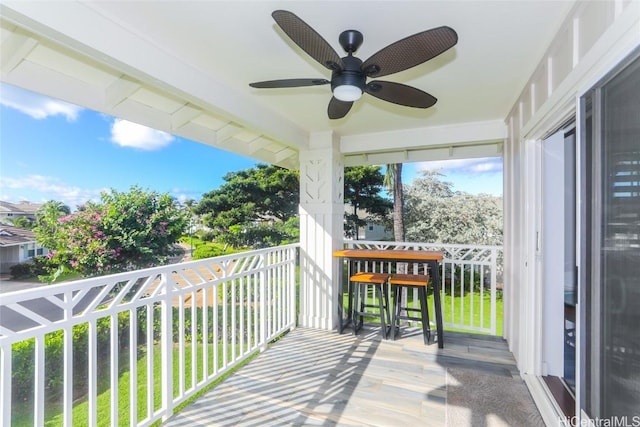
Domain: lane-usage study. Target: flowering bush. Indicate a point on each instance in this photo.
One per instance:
(124, 231)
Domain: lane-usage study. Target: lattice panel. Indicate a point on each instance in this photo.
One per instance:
(313, 175)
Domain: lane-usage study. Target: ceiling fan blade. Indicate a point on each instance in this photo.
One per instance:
(400, 94)
(338, 109)
(410, 51)
(308, 39)
(273, 84)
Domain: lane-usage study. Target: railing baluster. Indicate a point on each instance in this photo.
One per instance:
(225, 324)
(234, 326)
(472, 294)
(92, 372)
(494, 289)
(194, 339)
(482, 294)
(216, 335)
(205, 334)
(166, 342)
(150, 359)
(241, 307)
(263, 311)
(38, 403)
(5, 380)
(181, 346)
(68, 361)
(133, 367)
(113, 368)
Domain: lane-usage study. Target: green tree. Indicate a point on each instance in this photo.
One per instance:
(22, 222)
(124, 231)
(363, 185)
(435, 213)
(46, 224)
(258, 207)
(252, 206)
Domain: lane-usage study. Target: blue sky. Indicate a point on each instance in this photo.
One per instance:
(53, 150)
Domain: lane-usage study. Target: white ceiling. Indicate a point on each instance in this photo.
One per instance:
(185, 66)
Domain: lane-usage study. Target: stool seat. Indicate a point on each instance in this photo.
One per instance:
(365, 277)
(410, 279)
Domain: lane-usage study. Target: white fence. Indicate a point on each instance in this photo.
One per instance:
(174, 328)
(471, 282)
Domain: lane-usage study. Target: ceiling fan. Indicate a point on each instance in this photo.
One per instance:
(349, 74)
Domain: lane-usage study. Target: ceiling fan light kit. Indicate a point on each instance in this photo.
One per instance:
(347, 92)
(349, 74)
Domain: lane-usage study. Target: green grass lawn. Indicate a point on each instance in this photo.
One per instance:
(22, 413)
(471, 299)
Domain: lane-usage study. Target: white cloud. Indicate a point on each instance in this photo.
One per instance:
(128, 134)
(39, 188)
(36, 106)
(487, 165)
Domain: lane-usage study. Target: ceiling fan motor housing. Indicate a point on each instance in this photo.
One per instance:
(350, 75)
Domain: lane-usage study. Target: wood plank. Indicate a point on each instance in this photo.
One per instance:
(321, 377)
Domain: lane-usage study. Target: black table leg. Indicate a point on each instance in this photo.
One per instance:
(349, 318)
(435, 277)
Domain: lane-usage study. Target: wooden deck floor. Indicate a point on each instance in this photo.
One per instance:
(313, 377)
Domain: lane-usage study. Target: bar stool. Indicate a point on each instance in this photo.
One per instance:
(410, 281)
(360, 282)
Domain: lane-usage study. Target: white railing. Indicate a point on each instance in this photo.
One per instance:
(177, 329)
(471, 282)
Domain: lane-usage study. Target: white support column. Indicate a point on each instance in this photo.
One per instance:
(321, 230)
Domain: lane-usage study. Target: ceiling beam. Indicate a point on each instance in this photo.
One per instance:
(428, 137)
(77, 26)
(14, 48)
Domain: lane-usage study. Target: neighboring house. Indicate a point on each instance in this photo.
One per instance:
(371, 230)
(17, 245)
(10, 211)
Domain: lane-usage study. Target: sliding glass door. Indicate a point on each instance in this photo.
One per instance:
(610, 255)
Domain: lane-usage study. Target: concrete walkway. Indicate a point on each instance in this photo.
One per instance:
(7, 284)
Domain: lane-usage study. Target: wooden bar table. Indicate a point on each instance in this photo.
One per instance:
(431, 258)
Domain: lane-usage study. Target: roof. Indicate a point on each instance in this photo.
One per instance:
(11, 236)
(23, 207)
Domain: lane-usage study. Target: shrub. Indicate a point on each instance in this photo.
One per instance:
(207, 235)
(206, 251)
(22, 270)
(33, 268)
(23, 356)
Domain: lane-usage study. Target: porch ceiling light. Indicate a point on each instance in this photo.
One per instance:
(347, 93)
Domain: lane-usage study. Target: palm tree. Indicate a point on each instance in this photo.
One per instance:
(393, 182)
